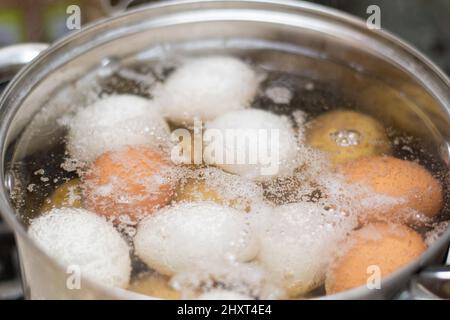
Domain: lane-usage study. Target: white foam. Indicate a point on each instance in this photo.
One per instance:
(279, 141)
(298, 242)
(207, 87)
(194, 236)
(279, 95)
(243, 193)
(77, 237)
(115, 122)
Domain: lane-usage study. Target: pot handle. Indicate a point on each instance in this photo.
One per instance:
(431, 283)
(13, 58)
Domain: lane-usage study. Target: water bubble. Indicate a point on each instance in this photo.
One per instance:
(346, 138)
(108, 66)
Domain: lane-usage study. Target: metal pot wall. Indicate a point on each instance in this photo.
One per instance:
(343, 48)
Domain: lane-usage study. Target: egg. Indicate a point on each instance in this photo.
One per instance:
(297, 243)
(213, 184)
(194, 236)
(221, 294)
(347, 135)
(206, 87)
(197, 190)
(113, 123)
(67, 194)
(156, 286)
(128, 184)
(77, 237)
(399, 105)
(378, 247)
(410, 183)
(253, 143)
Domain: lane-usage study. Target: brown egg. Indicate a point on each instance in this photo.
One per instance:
(155, 285)
(410, 183)
(66, 195)
(132, 182)
(194, 190)
(384, 247)
(347, 135)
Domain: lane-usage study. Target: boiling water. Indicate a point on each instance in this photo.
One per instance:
(293, 87)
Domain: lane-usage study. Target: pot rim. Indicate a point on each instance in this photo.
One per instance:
(7, 112)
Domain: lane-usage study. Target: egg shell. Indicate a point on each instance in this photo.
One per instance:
(197, 190)
(298, 241)
(77, 237)
(270, 131)
(113, 123)
(331, 132)
(206, 87)
(130, 183)
(213, 184)
(67, 194)
(156, 286)
(386, 247)
(194, 236)
(406, 180)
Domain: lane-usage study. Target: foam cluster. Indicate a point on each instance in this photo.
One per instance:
(113, 123)
(298, 242)
(206, 87)
(253, 143)
(80, 238)
(194, 236)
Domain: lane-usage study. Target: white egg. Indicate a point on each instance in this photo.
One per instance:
(115, 122)
(195, 236)
(77, 237)
(253, 143)
(298, 243)
(220, 294)
(204, 88)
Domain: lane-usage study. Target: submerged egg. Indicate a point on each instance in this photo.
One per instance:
(213, 184)
(375, 250)
(347, 135)
(194, 236)
(297, 243)
(197, 190)
(411, 183)
(253, 143)
(79, 238)
(115, 122)
(130, 183)
(194, 190)
(66, 195)
(154, 285)
(207, 87)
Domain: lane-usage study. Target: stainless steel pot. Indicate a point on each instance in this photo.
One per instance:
(343, 48)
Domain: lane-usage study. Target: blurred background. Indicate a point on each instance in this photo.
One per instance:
(423, 23)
